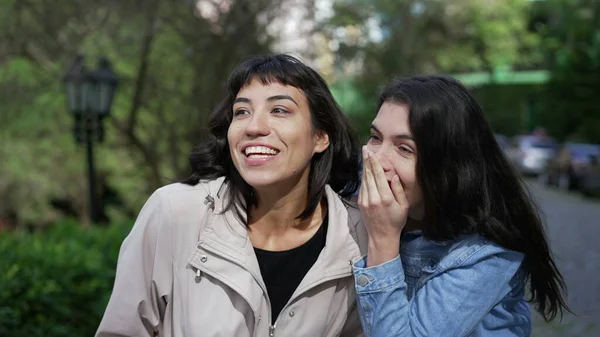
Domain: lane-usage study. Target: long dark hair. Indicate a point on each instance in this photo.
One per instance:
(468, 184)
(337, 166)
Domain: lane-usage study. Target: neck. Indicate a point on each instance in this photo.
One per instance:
(279, 206)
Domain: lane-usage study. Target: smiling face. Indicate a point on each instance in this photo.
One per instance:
(393, 145)
(271, 137)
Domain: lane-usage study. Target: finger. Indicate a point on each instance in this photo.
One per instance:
(372, 193)
(398, 191)
(360, 193)
(383, 186)
(363, 188)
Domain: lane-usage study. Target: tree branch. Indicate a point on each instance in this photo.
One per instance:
(148, 39)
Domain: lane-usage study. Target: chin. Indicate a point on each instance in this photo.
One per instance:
(260, 180)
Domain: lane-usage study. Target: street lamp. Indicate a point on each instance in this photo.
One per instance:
(89, 99)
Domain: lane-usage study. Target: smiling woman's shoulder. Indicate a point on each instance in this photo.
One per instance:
(205, 191)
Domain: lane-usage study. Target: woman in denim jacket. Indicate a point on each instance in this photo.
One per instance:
(437, 188)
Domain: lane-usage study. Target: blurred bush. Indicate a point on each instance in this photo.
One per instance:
(57, 282)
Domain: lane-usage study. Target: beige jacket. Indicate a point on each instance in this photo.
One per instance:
(187, 269)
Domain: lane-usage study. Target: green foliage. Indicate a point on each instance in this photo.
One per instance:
(34, 137)
(361, 109)
(173, 63)
(571, 109)
(391, 38)
(57, 282)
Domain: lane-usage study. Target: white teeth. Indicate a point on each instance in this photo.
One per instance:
(260, 150)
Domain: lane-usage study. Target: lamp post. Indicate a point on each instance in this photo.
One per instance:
(89, 99)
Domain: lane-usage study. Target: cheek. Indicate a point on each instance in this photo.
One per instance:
(232, 143)
(417, 193)
(371, 147)
(405, 169)
(233, 134)
(297, 137)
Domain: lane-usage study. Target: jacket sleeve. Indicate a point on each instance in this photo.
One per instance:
(449, 304)
(144, 275)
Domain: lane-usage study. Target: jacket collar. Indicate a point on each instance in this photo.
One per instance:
(227, 234)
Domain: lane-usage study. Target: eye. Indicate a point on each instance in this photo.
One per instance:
(279, 111)
(405, 149)
(240, 112)
(373, 137)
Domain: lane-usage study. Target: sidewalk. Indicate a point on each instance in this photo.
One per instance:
(570, 326)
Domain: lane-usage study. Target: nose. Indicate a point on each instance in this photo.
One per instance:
(381, 153)
(258, 125)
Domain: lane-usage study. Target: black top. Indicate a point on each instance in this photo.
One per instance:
(283, 271)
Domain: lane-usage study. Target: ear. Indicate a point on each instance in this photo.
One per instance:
(322, 141)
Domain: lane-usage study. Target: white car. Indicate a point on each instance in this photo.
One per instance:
(530, 154)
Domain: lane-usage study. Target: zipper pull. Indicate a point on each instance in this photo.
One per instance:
(210, 201)
(198, 276)
(272, 331)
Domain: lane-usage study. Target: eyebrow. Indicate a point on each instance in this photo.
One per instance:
(241, 100)
(406, 136)
(280, 97)
(270, 99)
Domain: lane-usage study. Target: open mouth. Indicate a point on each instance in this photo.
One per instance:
(260, 152)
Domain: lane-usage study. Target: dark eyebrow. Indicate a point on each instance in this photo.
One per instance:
(406, 136)
(270, 99)
(241, 100)
(278, 97)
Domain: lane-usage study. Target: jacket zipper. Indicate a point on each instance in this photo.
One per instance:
(264, 289)
(330, 278)
(272, 331)
(262, 286)
(200, 270)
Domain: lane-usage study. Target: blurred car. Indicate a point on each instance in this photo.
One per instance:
(589, 183)
(568, 165)
(530, 153)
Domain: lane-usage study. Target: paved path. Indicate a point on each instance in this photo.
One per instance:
(573, 227)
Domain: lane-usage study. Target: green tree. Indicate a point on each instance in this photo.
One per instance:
(388, 38)
(572, 34)
(173, 57)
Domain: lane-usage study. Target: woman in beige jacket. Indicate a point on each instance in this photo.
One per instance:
(258, 241)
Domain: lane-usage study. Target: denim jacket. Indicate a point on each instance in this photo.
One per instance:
(466, 287)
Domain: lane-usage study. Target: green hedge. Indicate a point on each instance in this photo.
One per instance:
(57, 282)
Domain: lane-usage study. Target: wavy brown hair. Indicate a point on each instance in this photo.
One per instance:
(468, 184)
(338, 166)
